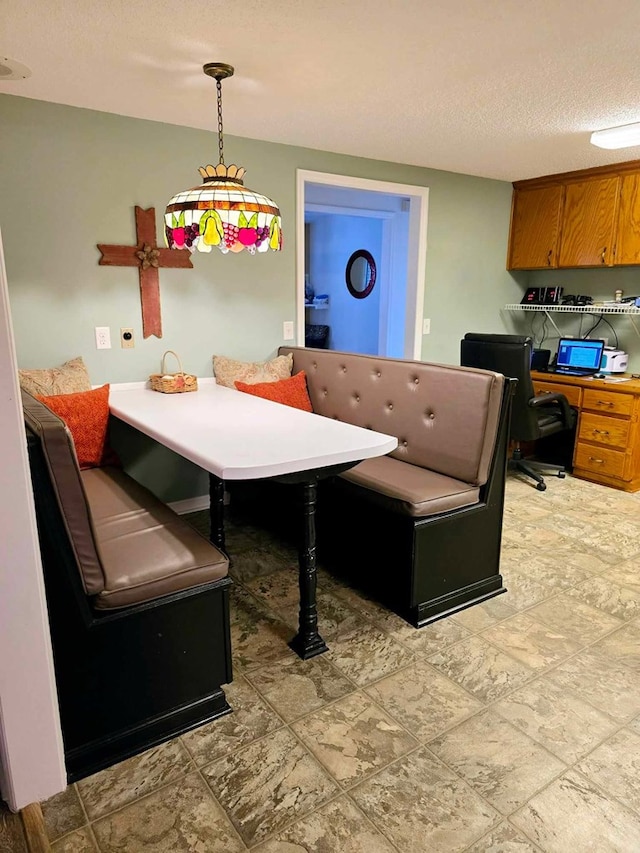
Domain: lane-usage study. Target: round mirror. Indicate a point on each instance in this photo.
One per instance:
(361, 273)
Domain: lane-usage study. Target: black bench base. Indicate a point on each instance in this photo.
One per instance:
(422, 569)
(425, 614)
(97, 755)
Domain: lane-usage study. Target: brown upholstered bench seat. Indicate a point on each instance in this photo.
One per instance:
(138, 605)
(146, 549)
(130, 546)
(411, 489)
(432, 509)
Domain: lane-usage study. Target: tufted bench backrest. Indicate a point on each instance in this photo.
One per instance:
(444, 417)
(62, 462)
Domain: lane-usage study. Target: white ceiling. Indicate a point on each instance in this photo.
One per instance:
(506, 89)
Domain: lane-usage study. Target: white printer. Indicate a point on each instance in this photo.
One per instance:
(613, 361)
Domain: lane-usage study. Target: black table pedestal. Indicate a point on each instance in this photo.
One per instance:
(307, 643)
(216, 512)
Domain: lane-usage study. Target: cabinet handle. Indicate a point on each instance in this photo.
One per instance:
(549, 257)
(595, 459)
(602, 256)
(604, 403)
(601, 432)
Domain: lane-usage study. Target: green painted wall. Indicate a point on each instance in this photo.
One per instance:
(69, 179)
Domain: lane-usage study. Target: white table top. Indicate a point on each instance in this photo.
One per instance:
(237, 436)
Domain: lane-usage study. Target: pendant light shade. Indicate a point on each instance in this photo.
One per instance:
(222, 212)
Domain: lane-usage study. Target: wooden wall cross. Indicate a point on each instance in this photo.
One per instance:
(148, 258)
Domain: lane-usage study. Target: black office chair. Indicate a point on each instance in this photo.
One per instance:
(532, 417)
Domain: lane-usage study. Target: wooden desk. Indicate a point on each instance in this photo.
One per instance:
(607, 448)
(236, 436)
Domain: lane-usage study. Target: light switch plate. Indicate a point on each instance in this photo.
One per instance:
(426, 327)
(287, 330)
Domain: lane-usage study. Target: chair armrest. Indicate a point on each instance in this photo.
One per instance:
(558, 399)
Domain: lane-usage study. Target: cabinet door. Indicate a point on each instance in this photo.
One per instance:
(588, 223)
(535, 228)
(628, 242)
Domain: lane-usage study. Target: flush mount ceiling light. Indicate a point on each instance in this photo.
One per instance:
(625, 136)
(11, 69)
(222, 212)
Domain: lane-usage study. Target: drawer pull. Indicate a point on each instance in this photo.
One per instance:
(604, 403)
(601, 432)
(595, 459)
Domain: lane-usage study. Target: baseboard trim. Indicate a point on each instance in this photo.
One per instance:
(195, 504)
(34, 829)
(190, 504)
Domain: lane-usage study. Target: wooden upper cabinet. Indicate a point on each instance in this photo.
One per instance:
(587, 218)
(628, 242)
(588, 222)
(535, 228)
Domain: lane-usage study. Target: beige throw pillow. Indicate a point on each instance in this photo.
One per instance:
(70, 378)
(229, 371)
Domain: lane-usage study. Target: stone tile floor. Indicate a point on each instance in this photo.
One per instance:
(511, 727)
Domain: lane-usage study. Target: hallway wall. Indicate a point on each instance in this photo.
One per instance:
(354, 323)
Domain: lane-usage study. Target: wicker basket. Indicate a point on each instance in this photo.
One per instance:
(173, 383)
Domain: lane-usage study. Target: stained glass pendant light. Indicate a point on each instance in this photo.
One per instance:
(222, 212)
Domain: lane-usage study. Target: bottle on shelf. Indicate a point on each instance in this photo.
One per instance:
(308, 289)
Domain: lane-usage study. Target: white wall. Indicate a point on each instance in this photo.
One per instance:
(31, 752)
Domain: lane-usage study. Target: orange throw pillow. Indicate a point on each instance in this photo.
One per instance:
(86, 413)
(291, 392)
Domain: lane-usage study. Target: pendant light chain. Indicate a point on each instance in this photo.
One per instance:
(220, 143)
(222, 212)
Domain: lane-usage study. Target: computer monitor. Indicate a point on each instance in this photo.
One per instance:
(579, 356)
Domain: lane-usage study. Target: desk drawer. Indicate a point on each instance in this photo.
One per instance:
(600, 460)
(603, 430)
(608, 402)
(571, 392)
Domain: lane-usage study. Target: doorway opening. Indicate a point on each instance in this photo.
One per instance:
(333, 211)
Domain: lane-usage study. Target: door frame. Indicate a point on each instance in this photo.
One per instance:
(32, 764)
(417, 250)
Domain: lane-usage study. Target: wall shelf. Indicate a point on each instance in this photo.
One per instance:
(621, 310)
(577, 309)
(317, 305)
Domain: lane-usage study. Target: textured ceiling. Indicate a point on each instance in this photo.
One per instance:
(506, 89)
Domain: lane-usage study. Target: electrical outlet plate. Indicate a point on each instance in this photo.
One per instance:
(287, 330)
(103, 337)
(127, 340)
